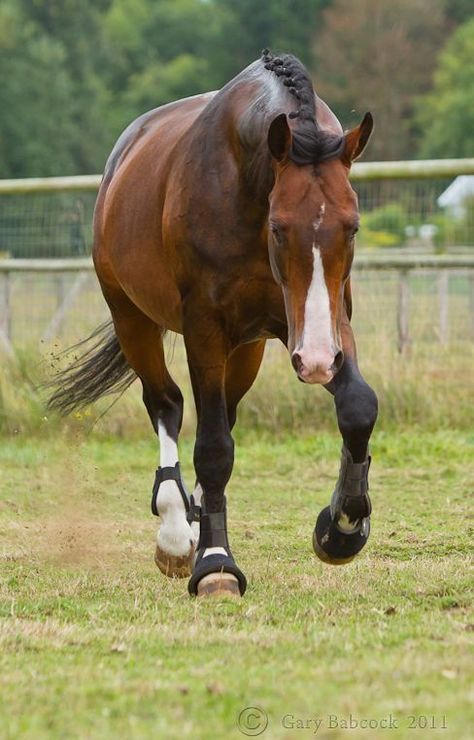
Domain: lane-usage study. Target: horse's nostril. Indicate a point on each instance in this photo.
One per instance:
(296, 361)
(338, 361)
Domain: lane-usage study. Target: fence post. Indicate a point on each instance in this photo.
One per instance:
(471, 301)
(403, 310)
(57, 320)
(443, 298)
(5, 314)
(62, 283)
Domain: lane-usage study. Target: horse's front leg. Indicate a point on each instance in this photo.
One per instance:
(342, 528)
(215, 571)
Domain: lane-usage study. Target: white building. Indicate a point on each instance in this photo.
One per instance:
(455, 195)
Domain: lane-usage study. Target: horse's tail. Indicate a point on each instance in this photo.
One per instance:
(100, 370)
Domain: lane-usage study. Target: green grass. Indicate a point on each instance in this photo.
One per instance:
(430, 386)
(96, 643)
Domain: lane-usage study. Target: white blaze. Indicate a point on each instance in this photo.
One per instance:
(317, 338)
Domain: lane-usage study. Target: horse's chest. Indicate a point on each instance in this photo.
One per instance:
(252, 308)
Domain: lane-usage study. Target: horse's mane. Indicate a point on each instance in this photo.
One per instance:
(310, 144)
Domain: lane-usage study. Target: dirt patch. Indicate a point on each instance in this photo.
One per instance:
(75, 535)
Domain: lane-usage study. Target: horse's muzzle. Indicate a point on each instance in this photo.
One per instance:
(318, 369)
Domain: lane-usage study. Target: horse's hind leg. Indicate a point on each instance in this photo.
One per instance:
(141, 341)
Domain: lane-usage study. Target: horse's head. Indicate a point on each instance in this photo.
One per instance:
(313, 218)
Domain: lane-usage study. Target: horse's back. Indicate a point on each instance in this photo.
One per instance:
(143, 154)
(176, 116)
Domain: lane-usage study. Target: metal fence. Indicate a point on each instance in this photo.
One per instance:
(401, 205)
(406, 292)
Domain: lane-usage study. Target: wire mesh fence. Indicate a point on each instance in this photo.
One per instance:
(415, 211)
(409, 213)
(405, 211)
(46, 224)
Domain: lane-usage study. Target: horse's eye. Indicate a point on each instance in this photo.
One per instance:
(277, 233)
(352, 233)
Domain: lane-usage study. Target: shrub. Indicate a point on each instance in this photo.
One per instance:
(384, 226)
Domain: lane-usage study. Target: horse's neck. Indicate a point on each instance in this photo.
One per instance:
(254, 156)
(238, 131)
(257, 174)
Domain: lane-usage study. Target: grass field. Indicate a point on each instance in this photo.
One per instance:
(96, 643)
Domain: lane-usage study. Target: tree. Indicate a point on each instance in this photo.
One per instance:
(446, 114)
(377, 55)
(282, 25)
(162, 51)
(77, 26)
(458, 11)
(36, 100)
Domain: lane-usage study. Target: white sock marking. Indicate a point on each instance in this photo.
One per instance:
(197, 493)
(168, 447)
(175, 535)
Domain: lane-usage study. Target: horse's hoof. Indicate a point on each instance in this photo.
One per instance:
(334, 546)
(175, 566)
(218, 584)
(216, 575)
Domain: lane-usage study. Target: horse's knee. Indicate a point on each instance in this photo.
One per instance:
(357, 410)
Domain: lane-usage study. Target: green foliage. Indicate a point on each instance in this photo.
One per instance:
(453, 230)
(76, 72)
(161, 82)
(52, 96)
(459, 11)
(384, 226)
(446, 115)
(34, 83)
(377, 239)
(286, 25)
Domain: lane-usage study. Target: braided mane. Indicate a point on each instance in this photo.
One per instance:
(310, 143)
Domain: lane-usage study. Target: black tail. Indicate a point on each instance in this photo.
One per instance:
(100, 370)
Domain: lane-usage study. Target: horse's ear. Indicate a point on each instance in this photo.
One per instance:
(279, 137)
(357, 138)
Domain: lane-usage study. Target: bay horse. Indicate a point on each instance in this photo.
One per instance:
(228, 217)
